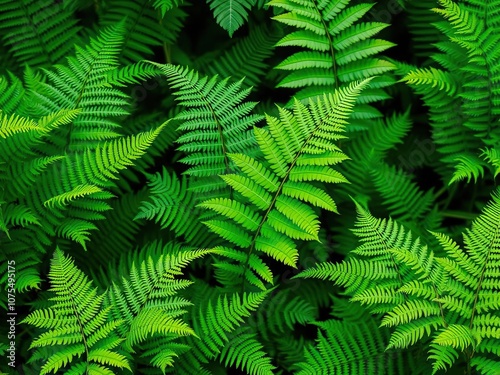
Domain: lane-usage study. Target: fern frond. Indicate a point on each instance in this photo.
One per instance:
(299, 149)
(231, 14)
(76, 322)
(215, 124)
(339, 47)
(39, 34)
(469, 167)
(452, 299)
(12, 94)
(246, 352)
(492, 156)
(146, 300)
(79, 85)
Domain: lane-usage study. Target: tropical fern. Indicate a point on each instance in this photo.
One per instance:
(216, 123)
(192, 266)
(451, 299)
(77, 324)
(231, 14)
(299, 149)
(338, 50)
(216, 319)
(147, 304)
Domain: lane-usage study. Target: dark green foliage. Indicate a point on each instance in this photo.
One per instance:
(250, 187)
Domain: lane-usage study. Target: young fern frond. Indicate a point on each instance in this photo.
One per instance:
(299, 150)
(77, 324)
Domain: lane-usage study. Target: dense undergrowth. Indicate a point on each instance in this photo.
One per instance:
(250, 187)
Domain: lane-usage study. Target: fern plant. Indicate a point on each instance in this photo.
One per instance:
(299, 149)
(452, 300)
(77, 324)
(339, 50)
(468, 56)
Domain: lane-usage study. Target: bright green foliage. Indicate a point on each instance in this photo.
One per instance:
(299, 149)
(216, 320)
(55, 182)
(188, 159)
(147, 304)
(452, 299)
(339, 49)
(77, 323)
(216, 124)
(78, 85)
(464, 116)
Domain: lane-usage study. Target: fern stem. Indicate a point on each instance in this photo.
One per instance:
(459, 215)
(166, 48)
(330, 44)
(271, 206)
(34, 29)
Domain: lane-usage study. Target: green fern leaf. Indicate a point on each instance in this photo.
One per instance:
(299, 150)
(75, 322)
(340, 48)
(231, 14)
(216, 124)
